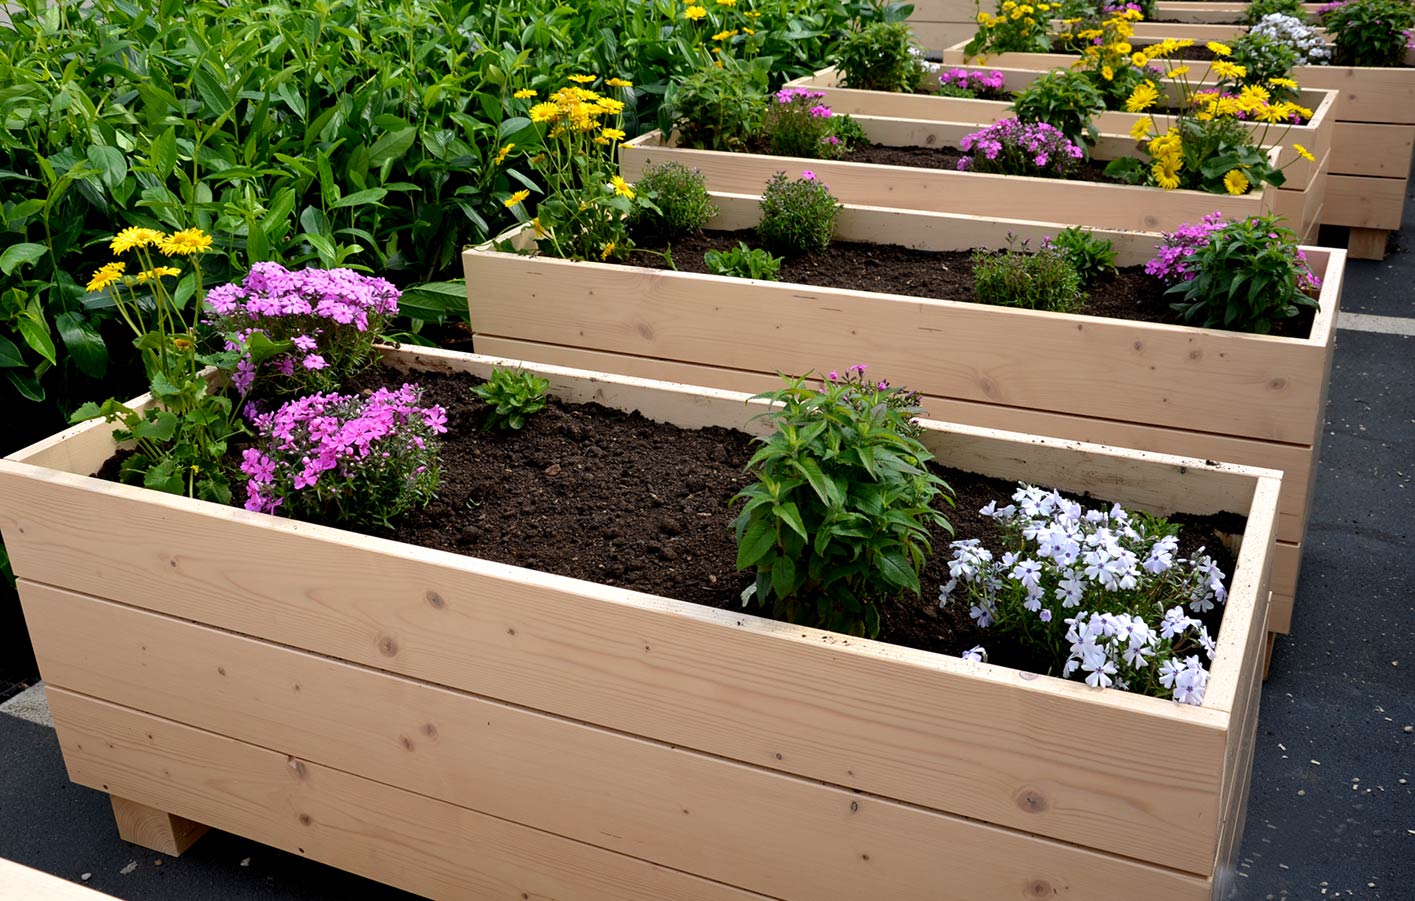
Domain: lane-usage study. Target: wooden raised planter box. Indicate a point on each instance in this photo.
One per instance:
(1371, 145)
(1251, 399)
(1299, 200)
(467, 729)
(1091, 204)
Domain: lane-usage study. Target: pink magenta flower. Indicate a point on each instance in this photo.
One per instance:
(808, 175)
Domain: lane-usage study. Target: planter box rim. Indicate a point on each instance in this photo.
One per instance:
(1332, 253)
(16, 464)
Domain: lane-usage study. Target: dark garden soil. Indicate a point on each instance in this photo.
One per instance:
(948, 157)
(893, 269)
(593, 493)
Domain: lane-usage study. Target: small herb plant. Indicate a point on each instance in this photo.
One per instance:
(1014, 147)
(346, 459)
(1065, 99)
(720, 107)
(1257, 10)
(838, 519)
(880, 57)
(743, 262)
(681, 204)
(1101, 594)
(1015, 277)
(1266, 61)
(512, 395)
(1311, 47)
(967, 83)
(1016, 28)
(1371, 32)
(798, 216)
(1090, 256)
(798, 124)
(1246, 276)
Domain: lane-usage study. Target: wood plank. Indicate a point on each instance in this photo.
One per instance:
(1295, 461)
(154, 829)
(937, 35)
(1214, 11)
(1366, 149)
(1368, 243)
(27, 884)
(571, 652)
(1368, 94)
(904, 187)
(406, 840)
(1362, 202)
(724, 821)
(1201, 380)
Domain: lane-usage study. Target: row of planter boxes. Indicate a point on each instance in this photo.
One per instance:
(1371, 144)
(462, 728)
(1252, 399)
(1300, 199)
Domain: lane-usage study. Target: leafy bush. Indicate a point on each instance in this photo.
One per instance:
(880, 57)
(1256, 10)
(1371, 32)
(838, 519)
(346, 459)
(1090, 256)
(743, 262)
(1044, 280)
(513, 395)
(1099, 594)
(798, 217)
(1014, 147)
(681, 204)
(1064, 99)
(798, 124)
(1246, 276)
(1017, 28)
(1266, 59)
(720, 107)
(967, 83)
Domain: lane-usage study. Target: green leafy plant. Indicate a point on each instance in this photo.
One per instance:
(1016, 28)
(681, 204)
(1065, 99)
(1016, 277)
(743, 262)
(1090, 256)
(1264, 59)
(720, 107)
(1255, 10)
(1247, 276)
(512, 395)
(1370, 32)
(798, 124)
(798, 216)
(880, 57)
(838, 519)
(849, 132)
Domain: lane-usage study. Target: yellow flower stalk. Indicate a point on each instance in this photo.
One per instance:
(503, 152)
(105, 275)
(1235, 182)
(1304, 153)
(608, 249)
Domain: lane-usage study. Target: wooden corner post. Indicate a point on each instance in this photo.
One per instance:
(153, 828)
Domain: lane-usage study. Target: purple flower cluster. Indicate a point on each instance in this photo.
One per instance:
(792, 95)
(1169, 265)
(1111, 9)
(338, 458)
(327, 320)
(983, 84)
(1330, 7)
(799, 125)
(1014, 147)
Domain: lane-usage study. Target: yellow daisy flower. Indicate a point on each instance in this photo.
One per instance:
(1283, 83)
(1178, 72)
(1304, 153)
(608, 249)
(515, 199)
(1219, 49)
(694, 13)
(157, 272)
(1139, 60)
(584, 79)
(724, 35)
(134, 236)
(1165, 178)
(1142, 98)
(524, 94)
(1235, 182)
(1107, 73)
(540, 229)
(1141, 129)
(185, 243)
(726, 2)
(619, 83)
(104, 276)
(621, 187)
(612, 134)
(544, 112)
(502, 153)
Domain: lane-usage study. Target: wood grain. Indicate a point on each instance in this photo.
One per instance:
(154, 829)
(26, 884)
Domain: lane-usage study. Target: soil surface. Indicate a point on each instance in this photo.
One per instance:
(893, 269)
(593, 493)
(948, 157)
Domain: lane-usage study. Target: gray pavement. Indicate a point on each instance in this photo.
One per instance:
(1332, 808)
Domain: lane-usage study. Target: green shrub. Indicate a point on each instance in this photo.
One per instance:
(512, 395)
(1044, 280)
(743, 262)
(838, 519)
(1090, 256)
(1370, 32)
(880, 57)
(682, 205)
(720, 108)
(1249, 275)
(1264, 58)
(1253, 13)
(798, 217)
(1065, 100)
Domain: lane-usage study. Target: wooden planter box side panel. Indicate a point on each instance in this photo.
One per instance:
(1381, 151)
(884, 720)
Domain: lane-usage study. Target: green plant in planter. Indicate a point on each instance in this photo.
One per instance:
(1246, 276)
(1016, 277)
(1253, 13)
(880, 57)
(743, 262)
(1090, 256)
(512, 395)
(1267, 62)
(798, 217)
(681, 204)
(1016, 28)
(838, 520)
(1064, 99)
(1370, 32)
(720, 107)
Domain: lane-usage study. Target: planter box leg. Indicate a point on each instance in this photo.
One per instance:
(1367, 243)
(1268, 654)
(153, 828)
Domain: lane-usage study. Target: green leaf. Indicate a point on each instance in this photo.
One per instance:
(10, 356)
(897, 571)
(18, 254)
(756, 544)
(824, 487)
(392, 145)
(26, 383)
(164, 477)
(160, 428)
(360, 198)
(85, 412)
(164, 153)
(84, 343)
(783, 577)
(789, 514)
(35, 331)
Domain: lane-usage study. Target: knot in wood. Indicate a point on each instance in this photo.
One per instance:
(387, 646)
(436, 600)
(1032, 801)
(1039, 888)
